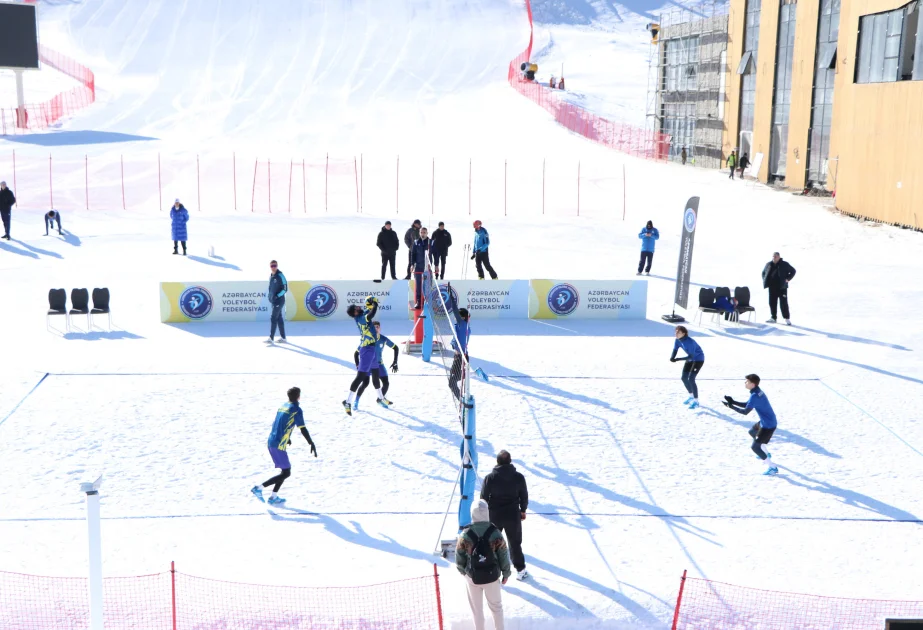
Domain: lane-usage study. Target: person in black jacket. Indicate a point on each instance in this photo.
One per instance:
(442, 241)
(388, 245)
(410, 237)
(506, 494)
(278, 287)
(7, 200)
(776, 275)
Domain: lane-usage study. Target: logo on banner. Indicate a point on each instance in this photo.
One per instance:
(448, 295)
(563, 299)
(321, 301)
(689, 220)
(195, 302)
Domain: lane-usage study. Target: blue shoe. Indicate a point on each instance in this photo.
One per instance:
(694, 405)
(689, 400)
(356, 405)
(384, 402)
(772, 471)
(258, 493)
(275, 501)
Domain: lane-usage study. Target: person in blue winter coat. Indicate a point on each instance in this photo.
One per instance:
(418, 256)
(649, 236)
(179, 216)
(481, 255)
(278, 287)
(762, 431)
(694, 358)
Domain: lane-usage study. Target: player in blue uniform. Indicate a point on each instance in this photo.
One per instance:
(463, 334)
(762, 431)
(368, 355)
(382, 370)
(694, 358)
(288, 417)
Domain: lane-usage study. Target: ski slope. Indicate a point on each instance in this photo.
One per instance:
(628, 488)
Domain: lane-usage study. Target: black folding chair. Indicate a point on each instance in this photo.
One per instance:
(80, 301)
(57, 305)
(101, 304)
(742, 295)
(706, 302)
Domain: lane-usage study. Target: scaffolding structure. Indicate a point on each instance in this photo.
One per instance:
(686, 81)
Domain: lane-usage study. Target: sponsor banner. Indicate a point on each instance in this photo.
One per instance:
(684, 266)
(487, 298)
(588, 299)
(183, 302)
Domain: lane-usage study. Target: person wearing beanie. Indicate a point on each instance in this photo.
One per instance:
(388, 245)
(481, 249)
(7, 201)
(649, 236)
(481, 555)
(507, 497)
(179, 217)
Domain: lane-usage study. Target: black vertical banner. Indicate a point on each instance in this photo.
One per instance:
(684, 267)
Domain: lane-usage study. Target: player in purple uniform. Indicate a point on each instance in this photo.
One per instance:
(288, 417)
(368, 355)
(381, 369)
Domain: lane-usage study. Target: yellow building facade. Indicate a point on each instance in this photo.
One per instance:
(829, 94)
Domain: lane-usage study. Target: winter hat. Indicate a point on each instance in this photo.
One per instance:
(387, 223)
(2, 183)
(477, 224)
(178, 201)
(480, 513)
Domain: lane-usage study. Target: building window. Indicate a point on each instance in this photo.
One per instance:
(681, 64)
(782, 92)
(828, 31)
(679, 123)
(890, 44)
(747, 70)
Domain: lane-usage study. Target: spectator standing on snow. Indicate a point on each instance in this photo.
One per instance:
(179, 216)
(7, 201)
(388, 246)
(682, 156)
(649, 235)
(507, 497)
(439, 250)
(278, 287)
(410, 237)
(419, 254)
(481, 255)
(561, 84)
(732, 163)
(481, 555)
(50, 218)
(744, 163)
(776, 275)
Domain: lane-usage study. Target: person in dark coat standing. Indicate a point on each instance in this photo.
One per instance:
(179, 217)
(682, 155)
(506, 494)
(7, 201)
(743, 164)
(278, 287)
(410, 237)
(776, 275)
(419, 254)
(442, 241)
(388, 244)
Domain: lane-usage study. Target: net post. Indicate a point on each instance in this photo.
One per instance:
(95, 554)
(438, 596)
(173, 591)
(679, 601)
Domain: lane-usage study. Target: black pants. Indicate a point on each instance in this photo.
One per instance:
(731, 176)
(409, 262)
(649, 257)
(387, 258)
(776, 297)
(456, 373)
(384, 381)
(511, 525)
(5, 214)
(277, 319)
(439, 265)
(690, 370)
(184, 247)
(276, 482)
(418, 287)
(760, 436)
(483, 258)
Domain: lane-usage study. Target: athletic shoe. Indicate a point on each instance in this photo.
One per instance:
(522, 575)
(269, 341)
(275, 500)
(771, 320)
(788, 322)
(694, 405)
(638, 274)
(356, 405)
(347, 408)
(283, 340)
(689, 400)
(772, 471)
(258, 493)
(384, 402)
(647, 273)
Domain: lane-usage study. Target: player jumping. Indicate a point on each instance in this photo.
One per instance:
(382, 371)
(368, 355)
(288, 417)
(695, 359)
(762, 431)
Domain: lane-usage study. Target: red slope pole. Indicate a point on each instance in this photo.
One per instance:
(504, 187)
(624, 194)
(15, 187)
(469, 186)
(173, 590)
(256, 163)
(50, 184)
(397, 188)
(361, 182)
(356, 177)
(159, 185)
(86, 183)
(438, 595)
(578, 188)
(679, 601)
(122, 165)
(269, 182)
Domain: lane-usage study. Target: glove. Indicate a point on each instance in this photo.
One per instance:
(394, 367)
(473, 256)
(729, 399)
(313, 449)
(673, 360)
(726, 404)
(289, 442)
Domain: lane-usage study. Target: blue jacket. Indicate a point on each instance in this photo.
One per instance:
(278, 287)
(179, 217)
(420, 251)
(760, 403)
(647, 242)
(481, 239)
(462, 329)
(693, 351)
(725, 304)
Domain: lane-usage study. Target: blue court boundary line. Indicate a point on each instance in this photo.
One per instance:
(19, 404)
(879, 422)
(510, 376)
(732, 517)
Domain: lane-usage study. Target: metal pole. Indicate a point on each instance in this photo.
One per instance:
(122, 165)
(397, 188)
(95, 554)
(20, 101)
(159, 185)
(326, 181)
(50, 185)
(173, 590)
(256, 163)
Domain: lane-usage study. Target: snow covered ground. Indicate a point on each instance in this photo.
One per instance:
(628, 487)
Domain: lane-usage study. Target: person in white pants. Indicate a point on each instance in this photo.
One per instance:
(482, 556)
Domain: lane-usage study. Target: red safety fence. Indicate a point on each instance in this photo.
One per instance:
(706, 605)
(615, 135)
(176, 601)
(15, 120)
